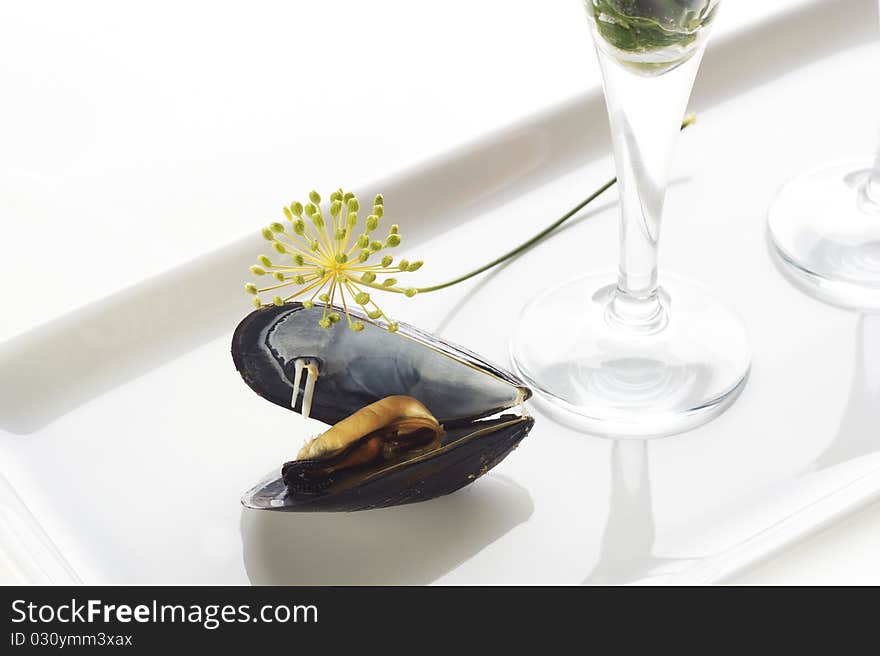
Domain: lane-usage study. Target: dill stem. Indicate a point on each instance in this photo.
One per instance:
(688, 120)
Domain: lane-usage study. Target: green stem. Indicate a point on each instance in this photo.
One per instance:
(688, 120)
(527, 244)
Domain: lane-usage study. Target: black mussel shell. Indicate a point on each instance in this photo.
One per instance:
(360, 368)
(458, 462)
(356, 369)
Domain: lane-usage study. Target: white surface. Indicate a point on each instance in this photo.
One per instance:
(843, 555)
(135, 138)
(135, 146)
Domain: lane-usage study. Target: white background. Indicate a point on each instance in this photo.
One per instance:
(127, 142)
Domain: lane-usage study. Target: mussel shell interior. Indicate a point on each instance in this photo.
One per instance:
(359, 368)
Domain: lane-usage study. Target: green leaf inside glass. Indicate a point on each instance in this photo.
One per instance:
(643, 26)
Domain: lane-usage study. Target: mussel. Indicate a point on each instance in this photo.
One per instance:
(411, 417)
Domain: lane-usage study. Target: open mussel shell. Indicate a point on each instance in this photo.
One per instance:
(478, 405)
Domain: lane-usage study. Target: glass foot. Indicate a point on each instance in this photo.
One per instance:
(589, 373)
(825, 227)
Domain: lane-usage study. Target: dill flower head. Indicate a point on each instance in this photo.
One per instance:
(329, 258)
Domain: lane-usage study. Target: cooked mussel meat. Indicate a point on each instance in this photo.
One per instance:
(385, 432)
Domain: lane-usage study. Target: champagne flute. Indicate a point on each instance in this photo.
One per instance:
(633, 358)
(825, 225)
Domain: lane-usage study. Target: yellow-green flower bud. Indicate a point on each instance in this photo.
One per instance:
(357, 326)
(363, 256)
(308, 305)
(321, 271)
(410, 292)
(374, 314)
(277, 301)
(372, 222)
(258, 270)
(299, 279)
(287, 213)
(315, 246)
(415, 266)
(363, 241)
(389, 282)
(368, 276)
(342, 258)
(297, 208)
(318, 220)
(279, 276)
(257, 303)
(279, 247)
(325, 297)
(310, 209)
(395, 229)
(336, 195)
(348, 196)
(403, 265)
(339, 234)
(379, 200)
(353, 205)
(335, 207)
(375, 246)
(334, 317)
(298, 259)
(362, 298)
(325, 323)
(392, 327)
(299, 226)
(352, 219)
(277, 227)
(267, 234)
(393, 240)
(250, 288)
(315, 197)
(265, 261)
(379, 210)
(387, 260)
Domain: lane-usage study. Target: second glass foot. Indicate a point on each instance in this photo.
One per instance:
(825, 226)
(591, 374)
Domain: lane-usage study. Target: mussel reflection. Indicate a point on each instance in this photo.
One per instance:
(404, 545)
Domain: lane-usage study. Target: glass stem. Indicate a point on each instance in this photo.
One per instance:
(645, 112)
